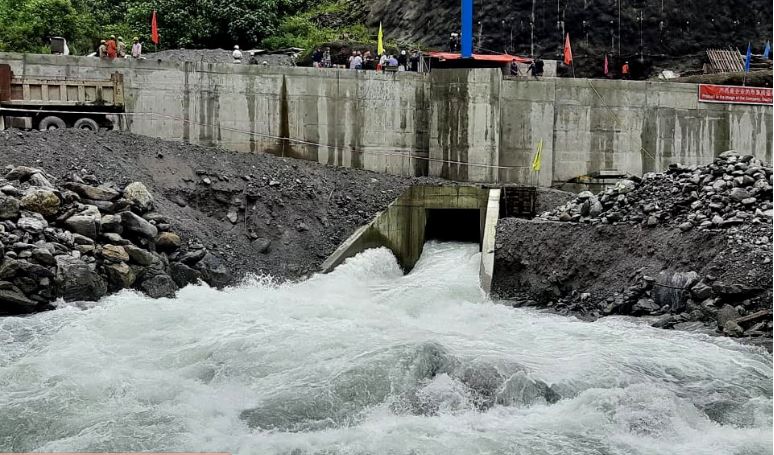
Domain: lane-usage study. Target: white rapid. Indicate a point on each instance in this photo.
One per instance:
(368, 361)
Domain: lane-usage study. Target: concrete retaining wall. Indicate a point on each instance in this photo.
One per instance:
(469, 125)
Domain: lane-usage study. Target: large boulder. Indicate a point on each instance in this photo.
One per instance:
(159, 285)
(184, 275)
(84, 225)
(139, 255)
(32, 224)
(114, 253)
(41, 200)
(21, 173)
(77, 280)
(120, 276)
(213, 271)
(137, 225)
(12, 301)
(97, 193)
(139, 196)
(9, 207)
(168, 241)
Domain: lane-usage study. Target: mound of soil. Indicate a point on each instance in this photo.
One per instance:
(259, 213)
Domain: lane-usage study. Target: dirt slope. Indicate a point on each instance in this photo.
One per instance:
(258, 212)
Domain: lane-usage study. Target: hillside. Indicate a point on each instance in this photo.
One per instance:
(674, 33)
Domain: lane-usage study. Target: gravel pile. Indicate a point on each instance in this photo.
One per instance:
(80, 239)
(734, 190)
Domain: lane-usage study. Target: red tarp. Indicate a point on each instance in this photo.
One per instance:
(710, 93)
(504, 58)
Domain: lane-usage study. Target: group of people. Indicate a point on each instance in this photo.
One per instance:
(116, 48)
(535, 68)
(364, 60)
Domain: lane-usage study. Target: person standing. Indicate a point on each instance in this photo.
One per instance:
(625, 70)
(357, 62)
(236, 54)
(402, 60)
(326, 61)
(121, 46)
(102, 50)
(110, 47)
(136, 48)
(317, 57)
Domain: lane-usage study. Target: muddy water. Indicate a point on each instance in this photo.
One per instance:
(366, 360)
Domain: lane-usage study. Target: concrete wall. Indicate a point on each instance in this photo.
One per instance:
(401, 227)
(470, 125)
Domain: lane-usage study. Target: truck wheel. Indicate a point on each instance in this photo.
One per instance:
(52, 122)
(86, 124)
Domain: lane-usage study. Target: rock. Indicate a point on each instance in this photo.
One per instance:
(32, 224)
(192, 257)
(79, 239)
(9, 268)
(652, 221)
(302, 227)
(732, 329)
(98, 193)
(160, 285)
(595, 208)
(583, 195)
(645, 306)
(725, 314)
(9, 207)
(21, 173)
(84, 225)
(717, 220)
(136, 224)
(213, 271)
(139, 196)
(115, 253)
(40, 200)
(39, 180)
(139, 255)
(624, 186)
(184, 275)
(207, 181)
(114, 238)
(168, 241)
(14, 302)
(77, 281)
(232, 216)
(749, 201)
(687, 226)
(43, 256)
(739, 194)
(111, 223)
(263, 245)
(119, 275)
(701, 291)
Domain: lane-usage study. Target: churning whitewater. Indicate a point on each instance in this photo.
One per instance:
(368, 361)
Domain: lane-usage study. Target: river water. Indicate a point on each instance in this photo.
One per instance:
(368, 361)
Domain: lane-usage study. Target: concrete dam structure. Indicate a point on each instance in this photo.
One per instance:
(465, 125)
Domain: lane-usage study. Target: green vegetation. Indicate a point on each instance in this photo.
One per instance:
(321, 24)
(27, 24)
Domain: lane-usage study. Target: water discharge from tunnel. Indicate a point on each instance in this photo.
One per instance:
(367, 360)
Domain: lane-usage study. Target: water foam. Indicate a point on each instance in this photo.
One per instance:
(366, 360)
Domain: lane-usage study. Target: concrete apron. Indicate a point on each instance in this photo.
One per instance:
(402, 227)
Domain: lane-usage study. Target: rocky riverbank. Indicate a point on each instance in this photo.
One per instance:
(691, 247)
(258, 213)
(80, 239)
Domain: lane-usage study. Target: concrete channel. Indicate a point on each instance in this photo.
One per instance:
(422, 213)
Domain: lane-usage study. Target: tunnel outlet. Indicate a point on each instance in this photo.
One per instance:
(454, 225)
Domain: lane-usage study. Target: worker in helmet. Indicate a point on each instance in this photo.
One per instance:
(121, 47)
(236, 54)
(102, 50)
(112, 48)
(136, 48)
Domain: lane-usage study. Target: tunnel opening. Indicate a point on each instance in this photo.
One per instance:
(453, 225)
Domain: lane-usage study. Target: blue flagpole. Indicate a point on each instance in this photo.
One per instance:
(747, 59)
(466, 45)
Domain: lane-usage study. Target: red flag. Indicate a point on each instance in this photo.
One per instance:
(567, 51)
(154, 29)
(606, 67)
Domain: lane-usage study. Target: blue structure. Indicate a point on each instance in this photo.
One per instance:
(466, 38)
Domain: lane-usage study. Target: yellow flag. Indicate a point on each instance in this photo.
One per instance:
(536, 161)
(379, 44)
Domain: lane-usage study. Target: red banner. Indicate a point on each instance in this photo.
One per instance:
(732, 94)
